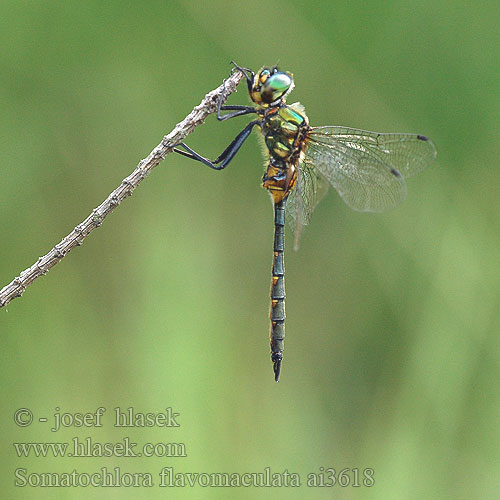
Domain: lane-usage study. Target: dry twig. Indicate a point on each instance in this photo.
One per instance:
(207, 106)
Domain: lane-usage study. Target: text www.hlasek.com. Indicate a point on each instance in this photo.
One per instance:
(89, 448)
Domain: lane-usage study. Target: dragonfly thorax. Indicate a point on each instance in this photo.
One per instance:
(284, 129)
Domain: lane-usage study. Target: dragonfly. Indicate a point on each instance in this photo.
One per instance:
(367, 169)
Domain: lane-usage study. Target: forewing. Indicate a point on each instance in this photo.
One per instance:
(367, 169)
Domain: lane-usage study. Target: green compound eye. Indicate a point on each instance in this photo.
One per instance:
(279, 82)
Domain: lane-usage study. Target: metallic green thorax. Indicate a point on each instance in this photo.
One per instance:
(281, 129)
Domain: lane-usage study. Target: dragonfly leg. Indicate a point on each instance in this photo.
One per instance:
(238, 111)
(249, 74)
(225, 157)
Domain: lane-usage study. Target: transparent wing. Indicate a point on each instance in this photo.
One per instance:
(310, 189)
(367, 169)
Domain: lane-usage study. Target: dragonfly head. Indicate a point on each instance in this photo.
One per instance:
(270, 86)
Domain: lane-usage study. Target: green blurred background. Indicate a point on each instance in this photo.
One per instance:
(392, 351)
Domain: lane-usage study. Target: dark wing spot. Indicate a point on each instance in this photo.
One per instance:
(395, 172)
(422, 137)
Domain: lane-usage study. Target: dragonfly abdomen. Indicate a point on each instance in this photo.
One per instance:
(278, 289)
(284, 130)
(279, 179)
